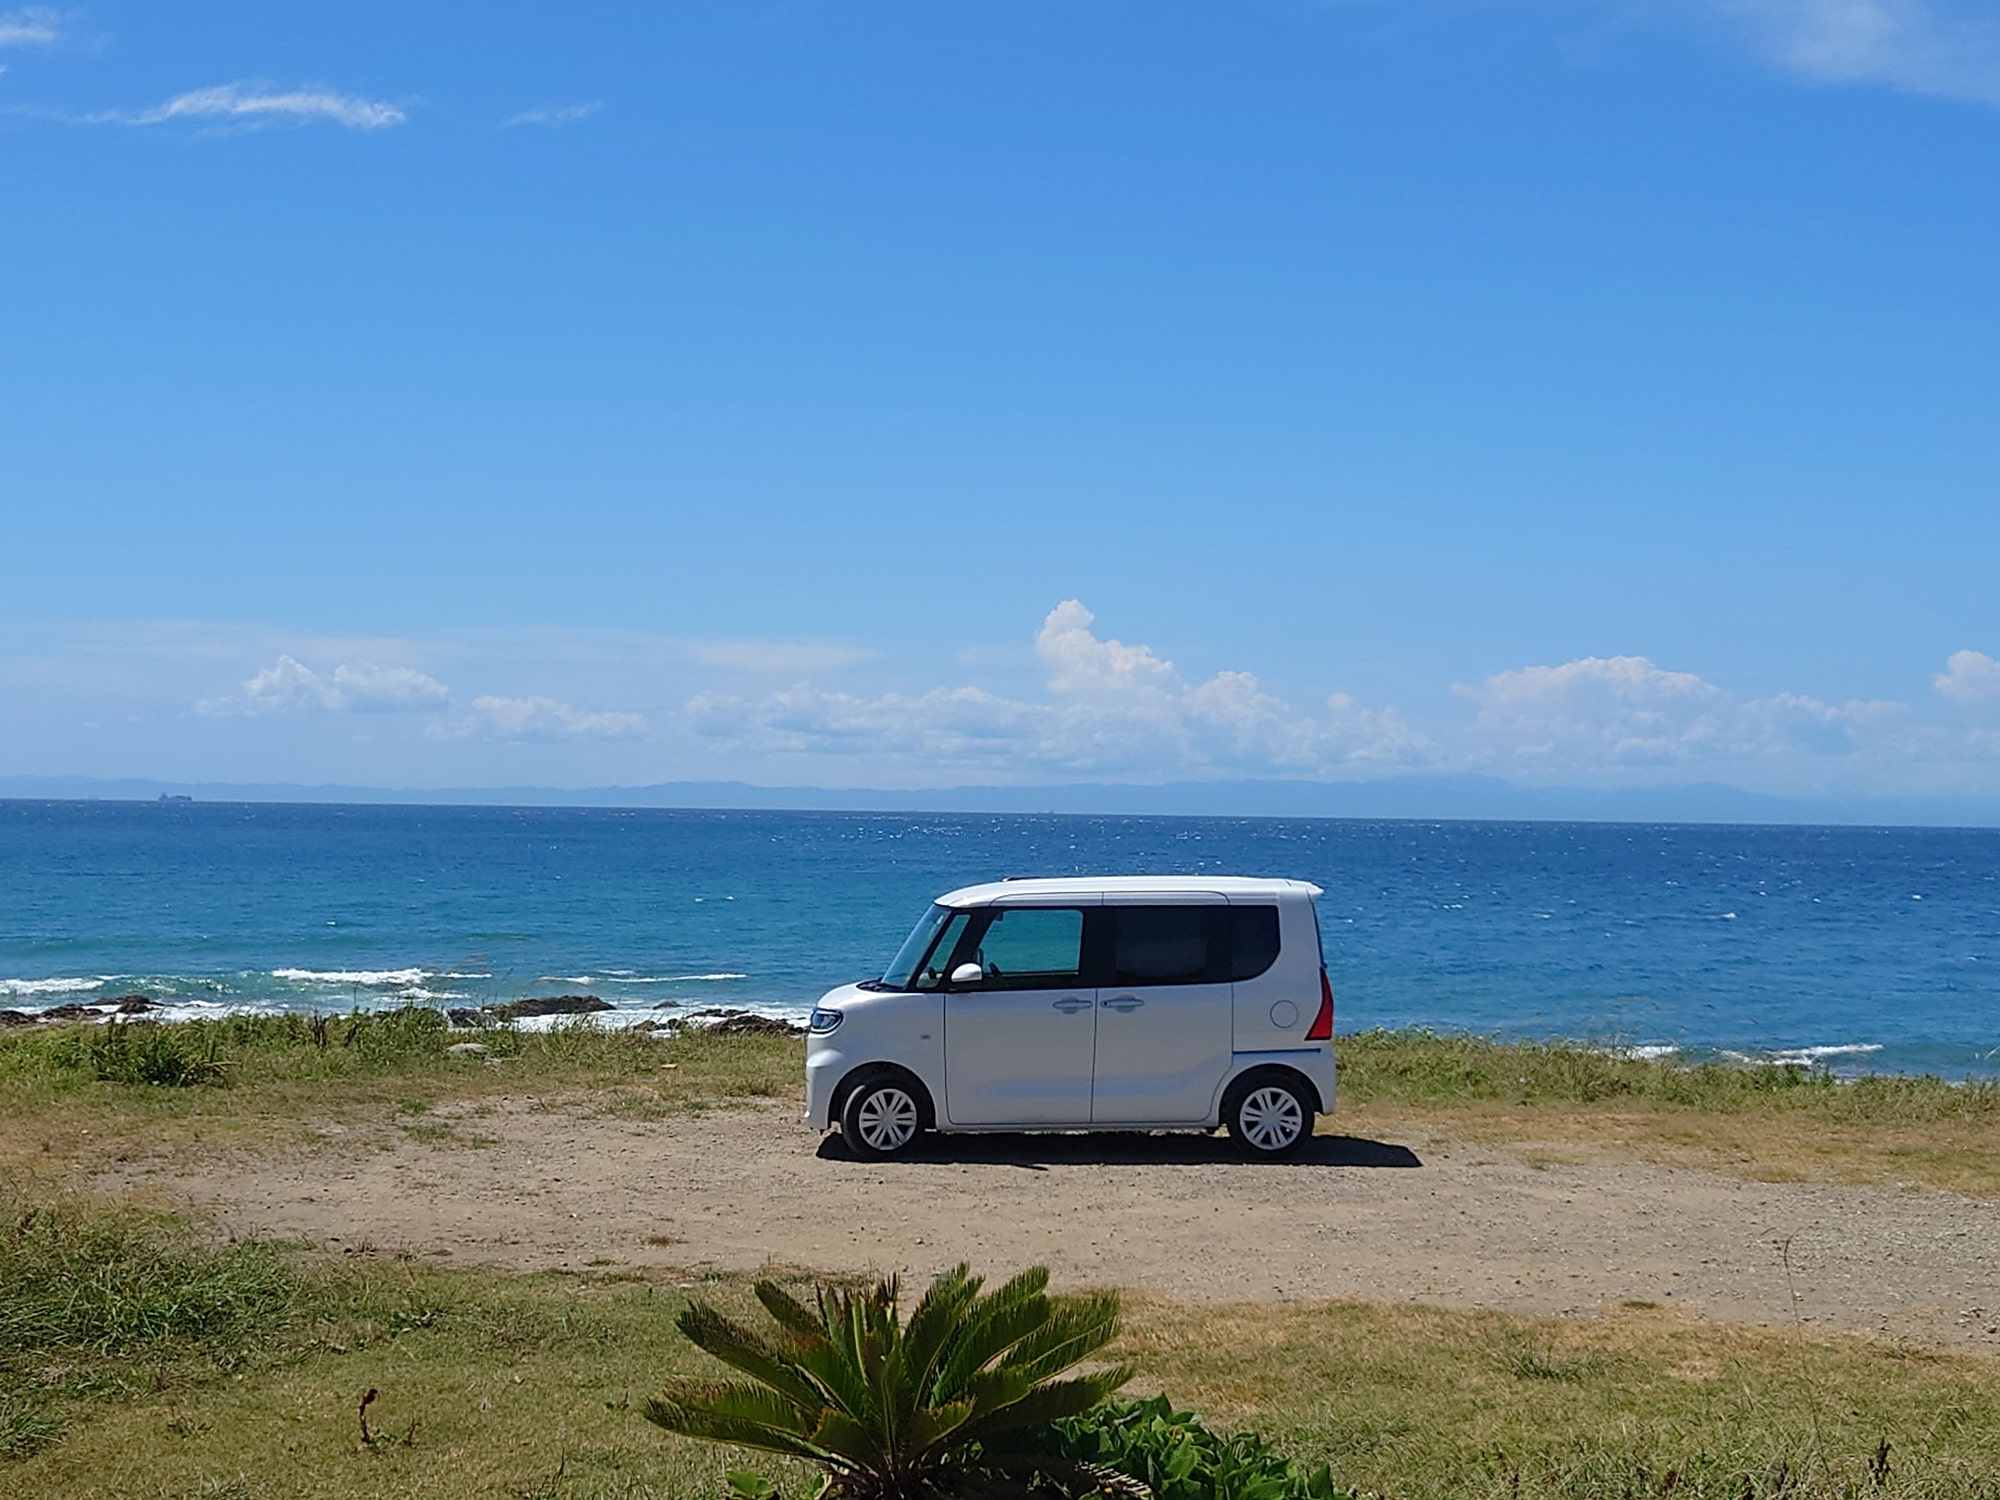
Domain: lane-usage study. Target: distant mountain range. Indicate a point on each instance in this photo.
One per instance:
(1421, 797)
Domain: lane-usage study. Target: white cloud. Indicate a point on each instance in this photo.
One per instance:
(555, 115)
(360, 688)
(547, 719)
(776, 656)
(1112, 710)
(371, 689)
(1085, 666)
(1945, 48)
(252, 104)
(31, 26)
(1969, 677)
(1616, 708)
(1598, 715)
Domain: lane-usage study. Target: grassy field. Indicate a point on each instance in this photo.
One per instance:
(138, 1361)
(75, 1093)
(80, 1092)
(1766, 1122)
(140, 1358)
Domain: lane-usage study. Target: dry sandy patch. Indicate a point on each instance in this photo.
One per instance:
(560, 1186)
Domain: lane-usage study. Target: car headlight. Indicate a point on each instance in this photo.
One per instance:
(823, 1021)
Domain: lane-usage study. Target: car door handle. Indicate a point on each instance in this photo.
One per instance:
(1123, 1003)
(1069, 1005)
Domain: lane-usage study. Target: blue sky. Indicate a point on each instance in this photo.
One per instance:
(1584, 392)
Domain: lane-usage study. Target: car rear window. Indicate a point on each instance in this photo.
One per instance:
(1254, 940)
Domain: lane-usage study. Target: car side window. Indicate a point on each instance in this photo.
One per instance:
(1031, 948)
(1163, 944)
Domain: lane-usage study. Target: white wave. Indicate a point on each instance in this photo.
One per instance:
(1814, 1054)
(1801, 1057)
(600, 1020)
(565, 979)
(418, 992)
(1647, 1052)
(211, 1010)
(680, 978)
(350, 976)
(53, 986)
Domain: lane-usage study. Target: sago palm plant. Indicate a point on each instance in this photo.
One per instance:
(895, 1410)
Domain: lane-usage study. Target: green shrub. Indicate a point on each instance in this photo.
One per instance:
(925, 1410)
(1177, 1458)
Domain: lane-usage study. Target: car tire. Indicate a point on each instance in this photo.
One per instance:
(883, 1117)
(1270, 1117)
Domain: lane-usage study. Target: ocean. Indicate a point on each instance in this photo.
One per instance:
(1862, 949)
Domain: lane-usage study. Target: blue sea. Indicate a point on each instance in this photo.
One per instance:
(1862, 949)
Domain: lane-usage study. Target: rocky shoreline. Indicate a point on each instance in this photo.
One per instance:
(99, 1010)
(729, 1020)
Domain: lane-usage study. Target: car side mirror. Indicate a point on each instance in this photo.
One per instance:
(967, 974)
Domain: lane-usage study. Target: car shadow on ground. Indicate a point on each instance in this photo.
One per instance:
(1039, 1152)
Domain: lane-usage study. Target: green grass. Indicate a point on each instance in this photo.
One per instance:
(86, 1090)
(1763, 1121)
(1432, 1404)
(1423, 1067)
(139, 1360)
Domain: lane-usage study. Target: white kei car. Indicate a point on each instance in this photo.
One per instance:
(1123, 1003)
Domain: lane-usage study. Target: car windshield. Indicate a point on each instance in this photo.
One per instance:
(903, 967)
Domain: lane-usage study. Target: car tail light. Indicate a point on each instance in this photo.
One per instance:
(1322, 1026)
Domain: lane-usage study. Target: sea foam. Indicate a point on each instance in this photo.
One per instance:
(371, 977)
(54, 986)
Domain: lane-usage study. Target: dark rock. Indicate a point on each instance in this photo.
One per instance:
(68, 1011)
(15, 1018)
(132, 1005)
(724, 1021)
(461, 1016)
(549, 1005)
(668, 1005)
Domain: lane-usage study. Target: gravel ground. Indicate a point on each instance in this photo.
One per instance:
(553, 1186)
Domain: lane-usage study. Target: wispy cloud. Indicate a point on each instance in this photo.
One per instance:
(546, 719)
(33, 26)
(1599, 715)
(1946, 48)
(256, 104)
(776, 656)
(555, 115)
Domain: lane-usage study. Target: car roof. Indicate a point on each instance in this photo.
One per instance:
(1234, 887)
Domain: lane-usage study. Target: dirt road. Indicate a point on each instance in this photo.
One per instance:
(1460, 1227)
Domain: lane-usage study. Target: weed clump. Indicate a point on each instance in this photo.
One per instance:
(145, 1052)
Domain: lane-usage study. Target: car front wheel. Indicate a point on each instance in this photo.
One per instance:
(1271, 1118)
(882, 1118)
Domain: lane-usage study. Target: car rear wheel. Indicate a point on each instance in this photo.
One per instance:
(882, 1118)
(1271, 1118)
